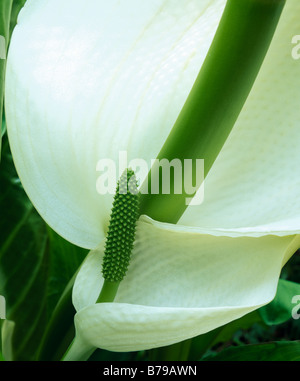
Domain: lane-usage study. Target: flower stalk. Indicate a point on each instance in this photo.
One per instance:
(225, 80)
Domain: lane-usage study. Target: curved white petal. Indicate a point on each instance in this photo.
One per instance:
(89, 78)
(255, 181)
(180, 284)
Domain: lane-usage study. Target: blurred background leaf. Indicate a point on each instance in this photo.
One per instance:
(279, 310)
(274, 351)
(36, 264)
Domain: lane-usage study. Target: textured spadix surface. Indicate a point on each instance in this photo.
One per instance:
(87, 79)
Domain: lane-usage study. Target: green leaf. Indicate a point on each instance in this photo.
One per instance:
(8, 328)
(280, 309)
(204, 343)
(273, 351)
(243, 323)
(35, 263)
(23, 239)
(16, 7)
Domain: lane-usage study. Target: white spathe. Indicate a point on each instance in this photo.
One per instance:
(96, 78)
(180, 284)
(88, 79)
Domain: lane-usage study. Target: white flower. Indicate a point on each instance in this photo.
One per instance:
(88, 79)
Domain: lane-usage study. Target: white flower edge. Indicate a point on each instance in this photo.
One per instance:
(71, 81)
(179, 285)
(72, 74)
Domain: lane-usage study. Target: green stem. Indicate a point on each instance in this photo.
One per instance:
(217, 97)
(108, 292)
(78, 350)
(225, 80)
